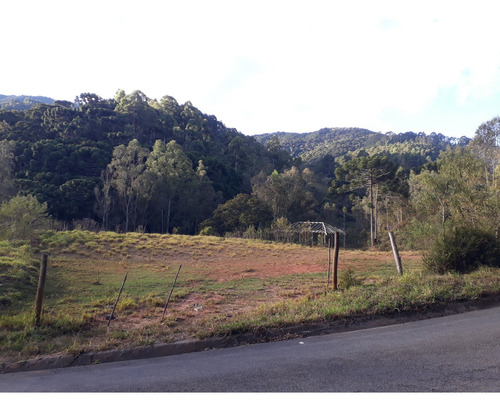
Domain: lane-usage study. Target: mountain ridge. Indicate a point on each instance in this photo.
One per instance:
(312, 147)
(22, 102)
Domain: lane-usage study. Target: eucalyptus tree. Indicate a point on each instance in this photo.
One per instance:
(486, 144)
(457, 193)
(128, 179)
(287, 194)
(174, 179)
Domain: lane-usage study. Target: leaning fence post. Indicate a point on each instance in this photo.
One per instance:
(397, 258)
(116, 301)
(39, 291)
(173, 285)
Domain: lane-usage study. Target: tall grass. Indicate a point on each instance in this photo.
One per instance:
(411, 292)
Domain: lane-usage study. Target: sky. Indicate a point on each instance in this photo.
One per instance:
(268, 66)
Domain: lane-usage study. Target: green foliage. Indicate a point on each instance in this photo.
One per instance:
(21, 216)
(410, 150)
(462, 250)
(6, 169)
(207, 230)
(129, 180)
(457, 192)
(410, 292)
(486, 143)
(287, 194)
(347, 279)
(60, 152)
(22, 102)
(238, 214)
(367, 180)
(134, 163)
(18, 271)
(282, 229)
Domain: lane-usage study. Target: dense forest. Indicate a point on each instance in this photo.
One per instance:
(408, 149)
(132, 163)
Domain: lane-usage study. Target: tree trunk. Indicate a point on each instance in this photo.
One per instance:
(168, 215)
(127, 211)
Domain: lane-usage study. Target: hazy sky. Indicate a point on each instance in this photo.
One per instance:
(266, 66)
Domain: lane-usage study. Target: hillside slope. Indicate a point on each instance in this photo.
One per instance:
(336, 142)
(11, 102)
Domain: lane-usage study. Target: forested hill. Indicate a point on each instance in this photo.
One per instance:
(411, 148)
(22, 102)
(135, 163)
(61, 153)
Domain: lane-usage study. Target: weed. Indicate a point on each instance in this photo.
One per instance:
(347, 279)
(127, 303)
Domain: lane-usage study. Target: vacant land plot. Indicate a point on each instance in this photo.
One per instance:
(224, 286)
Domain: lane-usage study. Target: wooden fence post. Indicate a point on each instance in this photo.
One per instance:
(335, 260)
(39, 291)
(329, 240)
(395, 251)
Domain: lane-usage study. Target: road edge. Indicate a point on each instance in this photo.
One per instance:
(262, 336)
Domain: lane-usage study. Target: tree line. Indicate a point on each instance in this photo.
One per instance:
(132, 163)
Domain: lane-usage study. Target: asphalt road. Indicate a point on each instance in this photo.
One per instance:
(459, 353)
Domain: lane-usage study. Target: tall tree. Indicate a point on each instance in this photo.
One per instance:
(142, 118)
(6, 169)
(287, 193)
(239, 213)
(174, 176)
(279, 157)
(205, 199)
(486, 144)
(458, 190)
(104, 197)
(364, 177)
(128, 179)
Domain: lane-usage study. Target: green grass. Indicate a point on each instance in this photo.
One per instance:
(18, 274)
(410, 292)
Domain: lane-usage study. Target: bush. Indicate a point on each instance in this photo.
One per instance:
(208, 230)
(347, 279)
(21, 216)
(462, 250)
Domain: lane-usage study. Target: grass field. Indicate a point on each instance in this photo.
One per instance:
(225, 286)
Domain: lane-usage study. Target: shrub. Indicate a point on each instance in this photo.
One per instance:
(347, 279)
(462, 250)
(20, 216)
(208, 230)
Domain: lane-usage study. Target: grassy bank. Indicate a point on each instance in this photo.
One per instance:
(225, 286)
